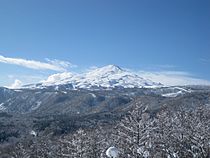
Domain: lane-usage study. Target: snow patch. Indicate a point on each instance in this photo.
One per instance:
(18, 90)
(58, 79)
(175, 94)
(112, 152)
(2, 108)
(172, 95)
(93, 95)
(33, 133)
(36, 106)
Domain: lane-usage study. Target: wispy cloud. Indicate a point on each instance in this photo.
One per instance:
(55, 65)
(167, 66)
(61, 63)
(205, 61)
(173, 78)
(159, 67)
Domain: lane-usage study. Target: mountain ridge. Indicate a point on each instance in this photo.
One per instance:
(110, 76)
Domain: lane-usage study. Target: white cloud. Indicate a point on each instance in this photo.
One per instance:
(61, 63)
(55, 65)
(17, 84)
(28, 79)
(173, 78)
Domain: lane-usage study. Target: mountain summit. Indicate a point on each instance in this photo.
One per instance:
(105, 71)
(110, 76)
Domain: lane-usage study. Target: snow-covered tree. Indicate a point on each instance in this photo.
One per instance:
(134, 133)
(83, 144)
(75, 146)
(168, 133)
(183, 133)
(20, 151)
(195, 138)
(96, 143)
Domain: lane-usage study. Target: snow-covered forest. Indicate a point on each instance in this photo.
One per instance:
(168, 133)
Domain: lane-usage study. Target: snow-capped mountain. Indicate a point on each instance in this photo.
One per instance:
(110, 76)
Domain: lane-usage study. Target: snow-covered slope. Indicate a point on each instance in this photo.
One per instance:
(110, 76)
(175, 91)
(2, 108)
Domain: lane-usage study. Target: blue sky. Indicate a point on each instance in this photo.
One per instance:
(152, 36)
